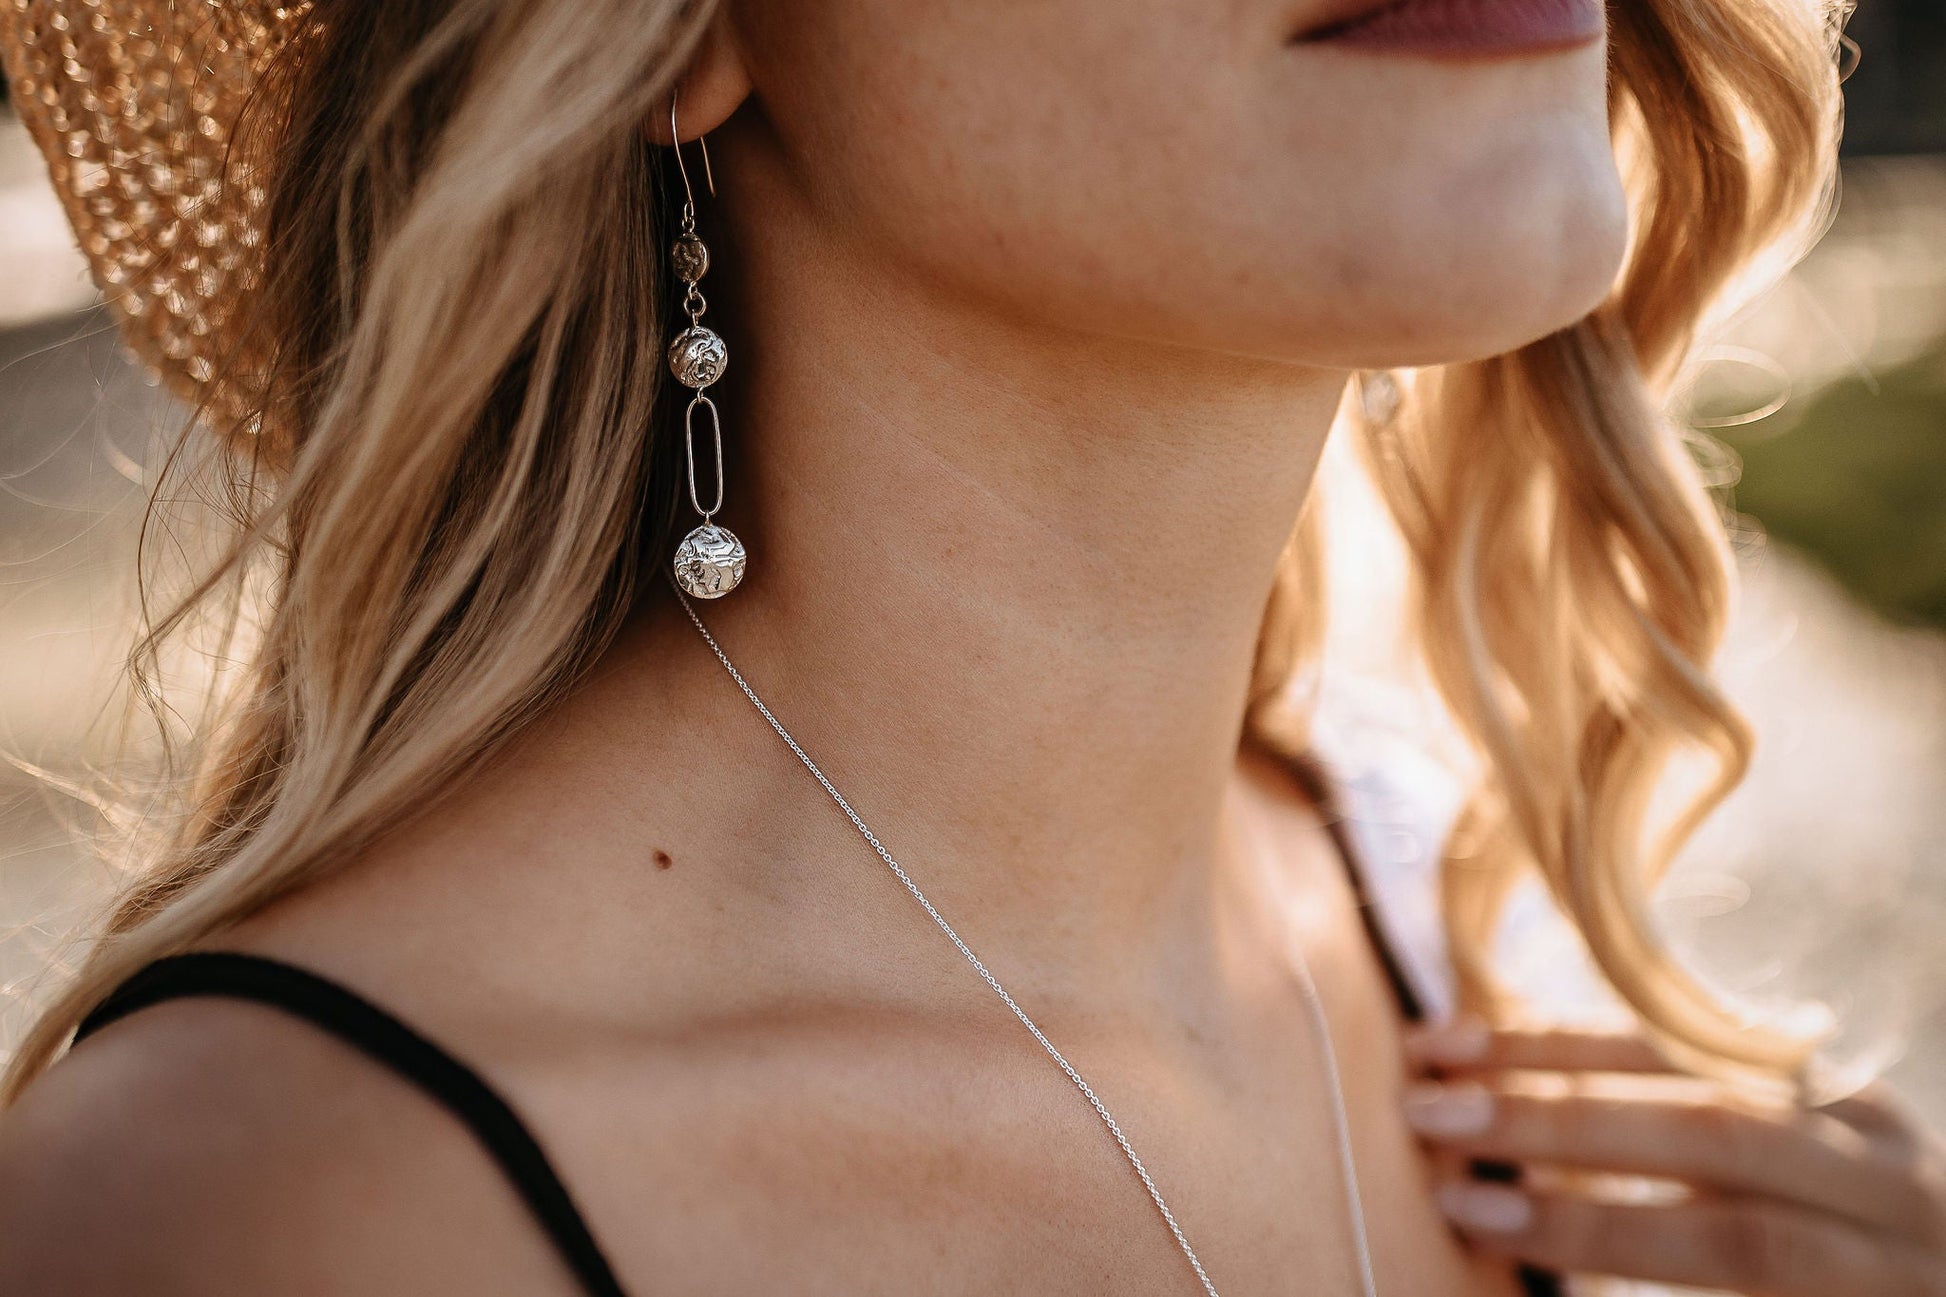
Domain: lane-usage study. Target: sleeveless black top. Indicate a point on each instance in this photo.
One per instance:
(357, 1021)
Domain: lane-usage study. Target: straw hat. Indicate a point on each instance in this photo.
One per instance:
(133, 103)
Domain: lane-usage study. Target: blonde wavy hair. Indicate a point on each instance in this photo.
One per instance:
(458, 458)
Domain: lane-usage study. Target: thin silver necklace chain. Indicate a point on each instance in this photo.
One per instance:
(1313, 1004)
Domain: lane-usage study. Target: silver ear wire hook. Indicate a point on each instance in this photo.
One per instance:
(675, 142)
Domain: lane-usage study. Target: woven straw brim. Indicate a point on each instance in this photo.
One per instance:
(134, 104)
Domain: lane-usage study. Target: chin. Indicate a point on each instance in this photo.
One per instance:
(1500, 317)
(1491, 275)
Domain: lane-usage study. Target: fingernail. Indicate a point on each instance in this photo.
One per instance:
(1463, 1041)
(1442, 1111)
(1488, 1208)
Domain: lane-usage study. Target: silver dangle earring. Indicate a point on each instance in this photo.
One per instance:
(710, 560)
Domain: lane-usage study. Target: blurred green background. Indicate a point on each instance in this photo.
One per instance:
(1853, 471)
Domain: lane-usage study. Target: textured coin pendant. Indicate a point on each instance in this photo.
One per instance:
(697, 357)
(709, 562)
(690, 257)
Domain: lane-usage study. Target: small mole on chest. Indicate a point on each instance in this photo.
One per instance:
(663, 860)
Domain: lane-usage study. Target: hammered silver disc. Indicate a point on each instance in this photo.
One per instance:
(697, 357)
(690, 256)
(709, 562)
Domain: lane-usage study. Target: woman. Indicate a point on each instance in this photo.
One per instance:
(1037, 315)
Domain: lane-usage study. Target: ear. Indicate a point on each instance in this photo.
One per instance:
(713, 84)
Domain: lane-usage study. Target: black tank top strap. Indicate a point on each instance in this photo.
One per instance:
(364, 1025)
(1313, 774)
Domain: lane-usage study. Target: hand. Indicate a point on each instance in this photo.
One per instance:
(1848, 1200)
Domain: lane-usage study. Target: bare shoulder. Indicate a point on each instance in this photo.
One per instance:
(214, 1146)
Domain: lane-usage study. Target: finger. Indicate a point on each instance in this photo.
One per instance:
(1471, 1046)
(1769, 1249)
(1877, 1112)
(1687, 1133)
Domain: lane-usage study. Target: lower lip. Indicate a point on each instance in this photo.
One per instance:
(1471, 27)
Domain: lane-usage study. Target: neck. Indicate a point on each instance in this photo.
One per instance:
(1005, 583)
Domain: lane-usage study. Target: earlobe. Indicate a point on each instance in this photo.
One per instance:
(713, 83)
